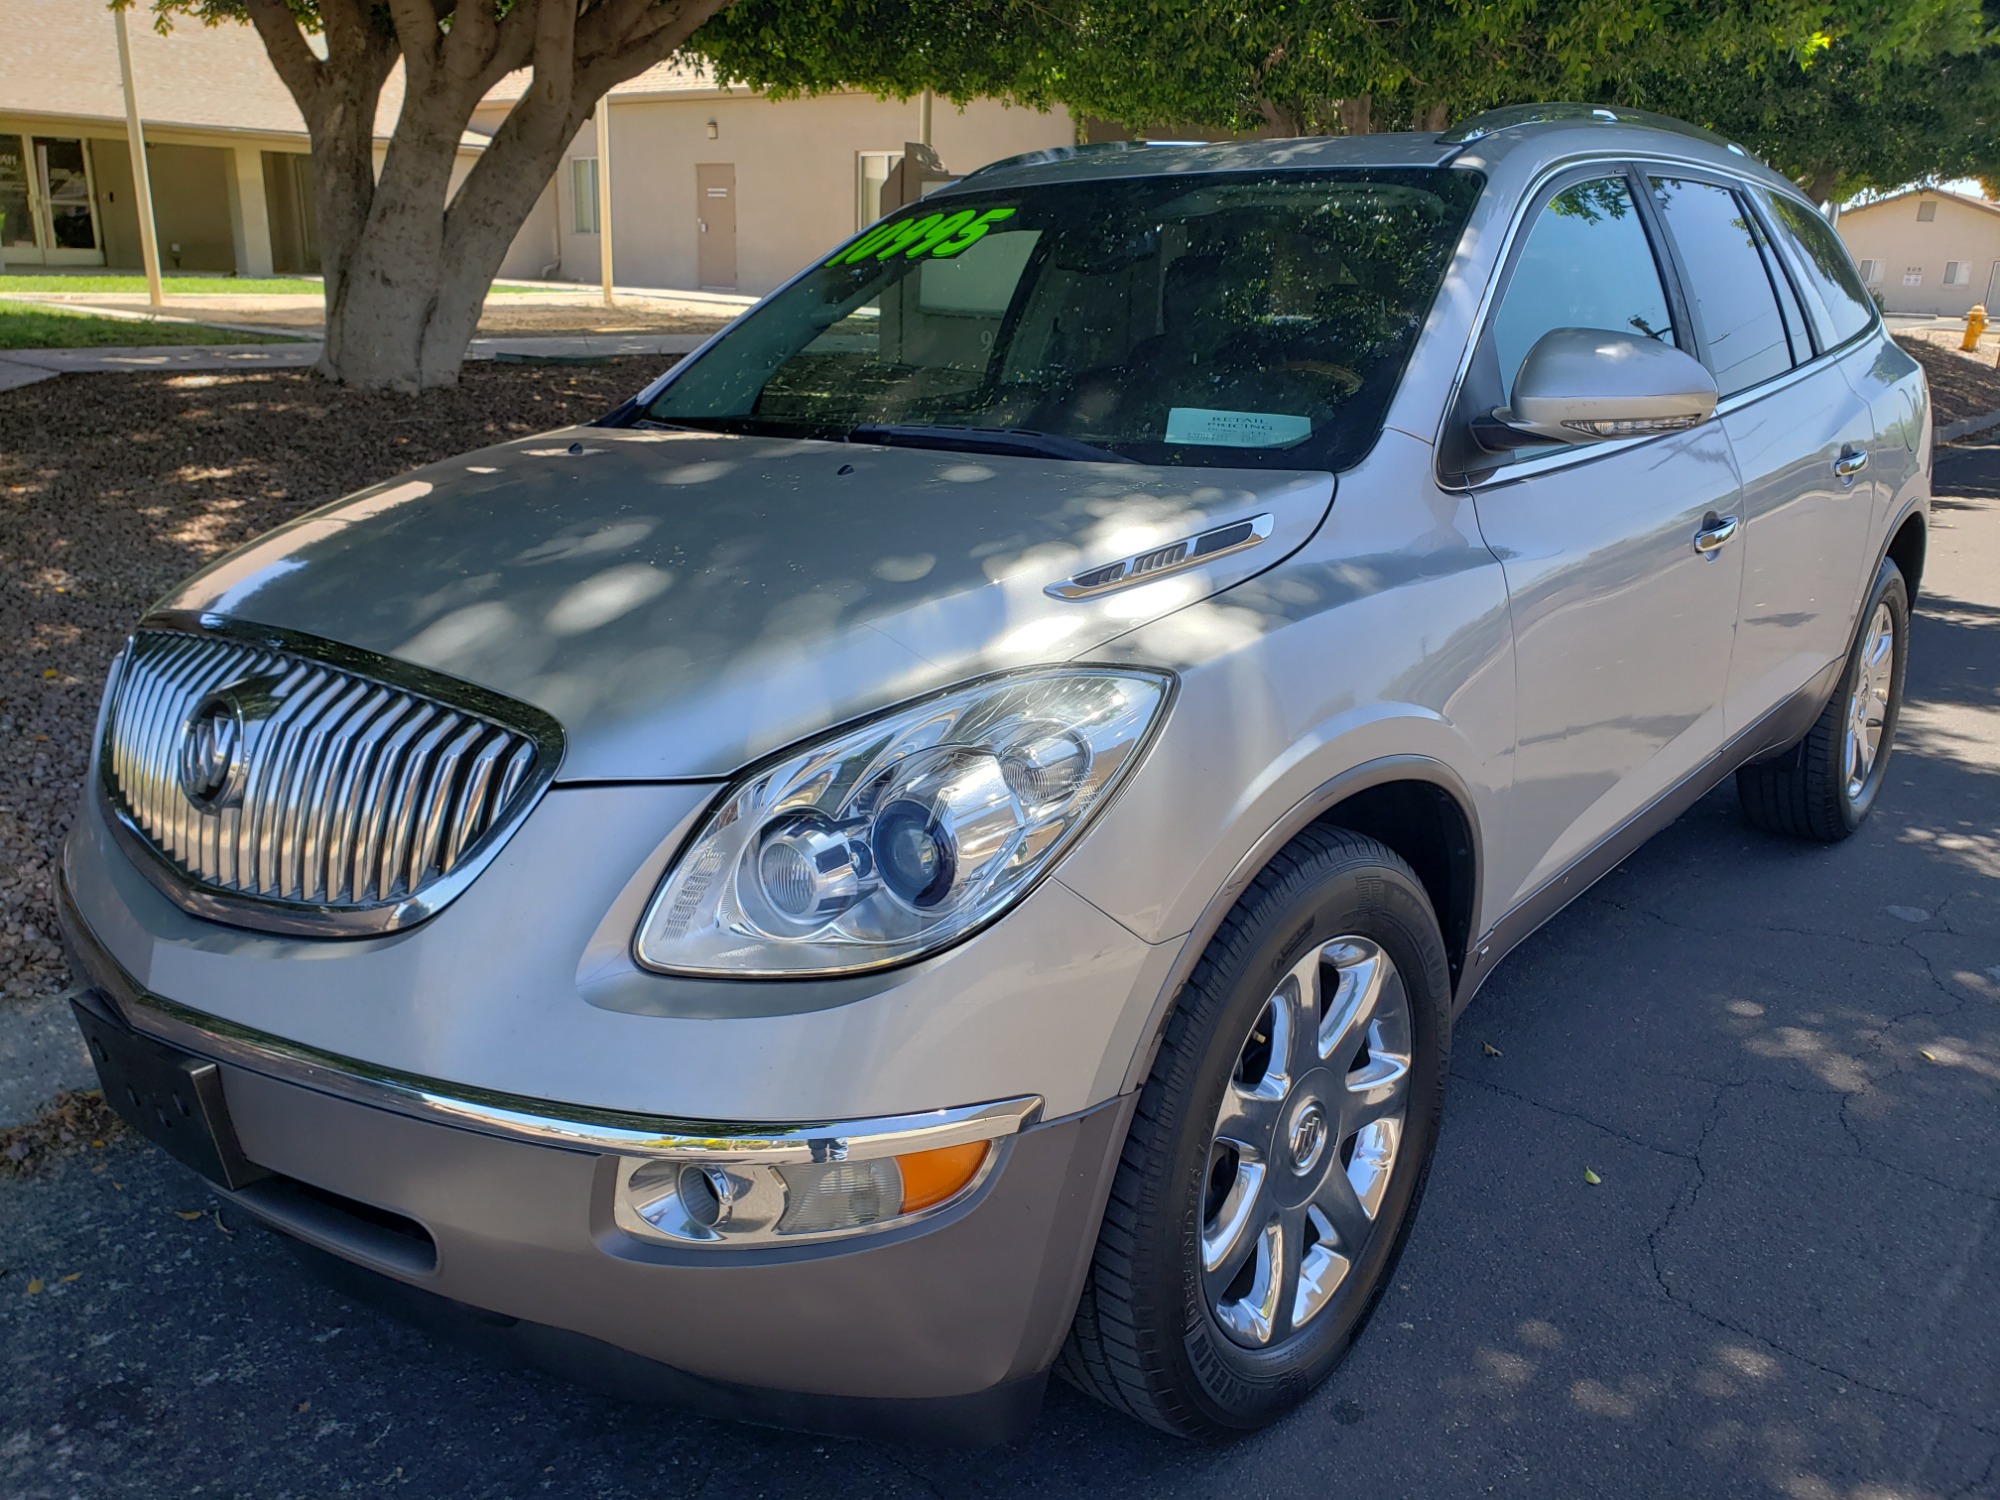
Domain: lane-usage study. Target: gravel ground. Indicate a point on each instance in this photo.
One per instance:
(114, 487)
(1962, 385)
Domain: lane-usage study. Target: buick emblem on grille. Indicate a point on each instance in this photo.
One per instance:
(212, 758)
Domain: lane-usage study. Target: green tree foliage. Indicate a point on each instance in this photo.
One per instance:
(1775, 73)
(1844, 121)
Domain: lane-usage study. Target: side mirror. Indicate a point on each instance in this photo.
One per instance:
(1584, 385)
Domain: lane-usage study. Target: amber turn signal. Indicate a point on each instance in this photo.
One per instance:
(933, 1176)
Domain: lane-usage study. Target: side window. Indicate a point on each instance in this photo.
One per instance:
(1835, 298)
(1743, 330)
(1788, 298)
(1586, 263)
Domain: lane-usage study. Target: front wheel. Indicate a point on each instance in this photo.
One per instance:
(1279, 1148)
(1825, 785)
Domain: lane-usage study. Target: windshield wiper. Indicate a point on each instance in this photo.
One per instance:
(1008, 440)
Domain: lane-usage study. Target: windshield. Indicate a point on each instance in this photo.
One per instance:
(1227, 318)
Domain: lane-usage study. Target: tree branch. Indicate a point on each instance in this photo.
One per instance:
(299, 69)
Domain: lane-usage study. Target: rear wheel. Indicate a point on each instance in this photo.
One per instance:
(1825, 785)
(1279, 1148)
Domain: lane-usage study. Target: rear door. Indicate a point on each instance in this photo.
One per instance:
(1622, 630)
(1802, 437)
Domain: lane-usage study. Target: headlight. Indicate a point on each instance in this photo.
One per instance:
(894, 838)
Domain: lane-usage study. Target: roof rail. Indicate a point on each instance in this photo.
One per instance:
(1492, 121)
(1070, 153)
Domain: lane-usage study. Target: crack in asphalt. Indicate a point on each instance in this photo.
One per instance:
(1711, 929)
(1981, 1485)
(1685, 1202)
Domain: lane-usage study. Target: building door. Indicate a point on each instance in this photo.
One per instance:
(18, 239)
(50, 202)
(715, 217)
(68, 207)
(1993, 290)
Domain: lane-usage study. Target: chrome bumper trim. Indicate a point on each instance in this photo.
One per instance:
(573, 1127)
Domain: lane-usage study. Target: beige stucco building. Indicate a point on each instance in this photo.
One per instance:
(1924, 250)
(711, 187)
(226, 148)
(727, 190)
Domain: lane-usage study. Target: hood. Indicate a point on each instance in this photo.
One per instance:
(686, 602)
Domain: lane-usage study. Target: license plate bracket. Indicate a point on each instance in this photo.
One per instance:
(171, 1097)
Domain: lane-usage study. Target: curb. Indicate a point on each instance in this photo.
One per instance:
(1951, 432)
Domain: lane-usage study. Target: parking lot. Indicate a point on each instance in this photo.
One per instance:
(1782, 1063)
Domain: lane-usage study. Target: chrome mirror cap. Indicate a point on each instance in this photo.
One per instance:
(1583, 385)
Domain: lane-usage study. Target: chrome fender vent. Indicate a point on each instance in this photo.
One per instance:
(278, 782)
(1174, 557)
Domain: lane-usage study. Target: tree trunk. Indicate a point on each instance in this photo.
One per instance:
(1433, 118)
(1356, 114)
(1822, 183)
(407, 260)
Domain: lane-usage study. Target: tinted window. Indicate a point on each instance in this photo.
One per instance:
(1586, 263)
(1221, 318)
(1733, 301)
(1839, 305)
(1788, 301)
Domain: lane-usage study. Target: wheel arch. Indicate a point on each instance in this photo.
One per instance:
(1906, 550)
(1416, 805)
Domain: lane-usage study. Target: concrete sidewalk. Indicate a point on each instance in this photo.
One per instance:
(19, 367)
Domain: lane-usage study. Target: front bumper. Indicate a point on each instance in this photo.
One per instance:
(945, 1324)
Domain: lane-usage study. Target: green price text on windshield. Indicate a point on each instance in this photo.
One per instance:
(934, 235)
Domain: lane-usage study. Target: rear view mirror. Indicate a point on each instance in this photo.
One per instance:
(1581, 385)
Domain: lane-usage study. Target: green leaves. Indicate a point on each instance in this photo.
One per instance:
(1793, 80)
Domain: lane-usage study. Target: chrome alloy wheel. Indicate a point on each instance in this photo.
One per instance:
(1868, 704)
(1306, 1141)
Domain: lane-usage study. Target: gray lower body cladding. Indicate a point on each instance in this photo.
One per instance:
(945, 1326)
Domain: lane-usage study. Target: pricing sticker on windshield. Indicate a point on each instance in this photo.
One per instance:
(1235, 429)
(936, 236)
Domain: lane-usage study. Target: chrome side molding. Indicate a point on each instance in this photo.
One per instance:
(1159, 562)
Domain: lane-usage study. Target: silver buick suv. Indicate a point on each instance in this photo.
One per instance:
(943, 840)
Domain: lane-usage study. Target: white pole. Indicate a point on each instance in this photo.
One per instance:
(142, 181)
(604, 195)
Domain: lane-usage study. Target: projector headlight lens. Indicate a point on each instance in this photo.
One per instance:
(889, 840)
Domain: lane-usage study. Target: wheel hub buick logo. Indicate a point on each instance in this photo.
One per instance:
(212, 745)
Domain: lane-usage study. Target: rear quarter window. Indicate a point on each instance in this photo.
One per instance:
(1835, 299)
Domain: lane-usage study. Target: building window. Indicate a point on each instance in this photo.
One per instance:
(1958, 273)
(583, 194)
(1926, 211)
(1871, 272)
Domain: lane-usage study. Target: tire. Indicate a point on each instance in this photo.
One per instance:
(1817, 790)
(1160, 1333)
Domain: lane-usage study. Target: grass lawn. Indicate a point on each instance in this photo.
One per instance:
(38, 328)
(173, 286)
(181, 286)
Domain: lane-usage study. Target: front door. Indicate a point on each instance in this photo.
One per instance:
(1993, 292)
(49, 201)
(1622, 629)
(715, 221)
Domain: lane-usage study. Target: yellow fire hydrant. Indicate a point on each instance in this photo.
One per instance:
(1975, 324)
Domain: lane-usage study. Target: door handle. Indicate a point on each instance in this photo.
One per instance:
(1851, 462)
(1715, 534)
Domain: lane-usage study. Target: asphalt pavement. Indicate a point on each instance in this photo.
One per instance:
(1781, 1061)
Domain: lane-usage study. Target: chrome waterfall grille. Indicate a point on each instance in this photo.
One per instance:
(295, 786)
